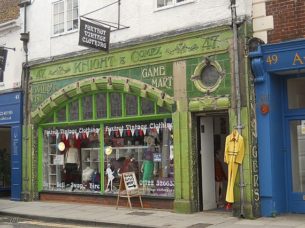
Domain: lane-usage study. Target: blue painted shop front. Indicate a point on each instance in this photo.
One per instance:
(279, 78)
(10, 144)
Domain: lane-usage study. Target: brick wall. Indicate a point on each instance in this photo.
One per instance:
(289, 19)
(9, 10)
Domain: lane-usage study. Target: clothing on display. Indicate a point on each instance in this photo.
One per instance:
(233, 156)
(72, 156)
(87, 174)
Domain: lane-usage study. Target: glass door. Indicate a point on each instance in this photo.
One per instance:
(296, 168)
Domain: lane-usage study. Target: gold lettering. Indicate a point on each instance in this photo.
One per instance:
(298, 59)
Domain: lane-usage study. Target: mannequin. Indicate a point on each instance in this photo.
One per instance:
(147, 167)
(233, 156)
(72, 162)
(220, 177)
(110, 176)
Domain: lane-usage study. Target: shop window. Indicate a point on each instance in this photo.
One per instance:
(65, 16)
(131, 105)
(71, 159)
(162, 110)
(101, 105)
(74, 110)
(145, 148)
(296, 93)
(61, 115)
(171, 3)
(116, 104)
(148, 107)
(87, 107)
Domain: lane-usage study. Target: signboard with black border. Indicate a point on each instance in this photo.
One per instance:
(129, 188)
(93, 35)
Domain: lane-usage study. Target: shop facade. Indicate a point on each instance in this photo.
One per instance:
(279, 82)
(145, 109)
(10, 148)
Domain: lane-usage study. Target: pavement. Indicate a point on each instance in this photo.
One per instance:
(108, 216)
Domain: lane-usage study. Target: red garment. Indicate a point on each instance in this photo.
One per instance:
(219, 172)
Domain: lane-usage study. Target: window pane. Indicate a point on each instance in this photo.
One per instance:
(75, 24)
(150, 155)
(296, 93)
(74, 110)
(61, 28)
(69, 15)
(147, 106)
(101, 105)
(297, 138)
(77, 167)
(116, 104)
(69, 4)
(162, 110)
(75, 3)
(69, 26)
(87, 107)
(160, 3)
(61, 115)
(131, 105)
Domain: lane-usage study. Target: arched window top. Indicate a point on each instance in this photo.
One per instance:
(103, 98)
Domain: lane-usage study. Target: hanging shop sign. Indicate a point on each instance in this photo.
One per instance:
(93, 35)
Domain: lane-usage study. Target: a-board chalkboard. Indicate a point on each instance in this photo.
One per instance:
(130, 181)
(129, 188)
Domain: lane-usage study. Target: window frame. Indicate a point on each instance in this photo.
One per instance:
(65, 16)
(175, 4)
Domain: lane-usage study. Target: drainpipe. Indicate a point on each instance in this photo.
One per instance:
(238, 99)
(25, 83)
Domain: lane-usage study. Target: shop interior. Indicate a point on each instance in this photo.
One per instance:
(212, 131)
(5, 162)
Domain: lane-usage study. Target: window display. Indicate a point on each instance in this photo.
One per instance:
(72, 157)
(143, 148)
(75, 166)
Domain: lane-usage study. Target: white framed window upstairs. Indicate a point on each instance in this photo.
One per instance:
(65, 16)
(161, 4)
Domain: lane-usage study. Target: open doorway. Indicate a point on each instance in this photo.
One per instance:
(5, 161)
(211, 135)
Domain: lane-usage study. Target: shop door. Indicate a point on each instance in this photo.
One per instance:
(296, 166)
(207, 163)
(295, 135)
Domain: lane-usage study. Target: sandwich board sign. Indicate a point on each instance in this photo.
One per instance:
(129, 188)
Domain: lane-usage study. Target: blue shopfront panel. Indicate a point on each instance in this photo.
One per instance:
(16, 159)
(11, 116)
(271, 63)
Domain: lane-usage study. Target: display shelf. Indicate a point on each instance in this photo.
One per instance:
(90, 157)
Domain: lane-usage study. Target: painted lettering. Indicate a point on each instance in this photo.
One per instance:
(93, 64)
(297, 59)
(164, 82)
(145, 54)
(210, 42)
(256, 194)
(153, 71)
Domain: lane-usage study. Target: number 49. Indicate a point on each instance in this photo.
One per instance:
(272, 59)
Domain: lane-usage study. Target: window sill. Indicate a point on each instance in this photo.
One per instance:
(173, 6)
(64, 33)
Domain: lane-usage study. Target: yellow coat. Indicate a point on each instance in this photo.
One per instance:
(234, 148)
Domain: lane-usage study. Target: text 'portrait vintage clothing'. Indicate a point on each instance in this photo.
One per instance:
(234, 154)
